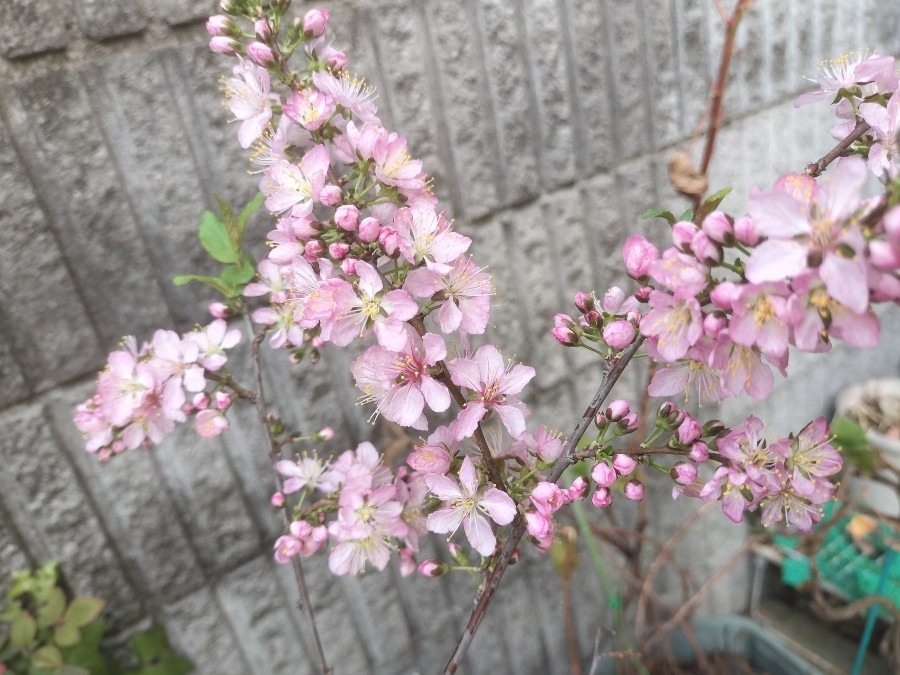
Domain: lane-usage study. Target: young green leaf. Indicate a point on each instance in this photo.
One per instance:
(22, 630)
(155, 655)
(215, 239)
(235, 275)
(668, 216)
(686, 216)
(83, 610)
(86, 653)
(712, 202)
(52, 610)
(251, 208)
(223, 287)
(47, 657)
(66, 635)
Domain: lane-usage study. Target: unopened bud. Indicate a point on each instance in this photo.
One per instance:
(223, 400)
(682, 234)
(433, 568)
(331, 195)
(714, 323)
(219, 25)
(600, 421)
(634, 490)
(699, 452)
(389, 240)
(705, 249)
(200, 401)
(219, 310)
(619, 334)
(745, 231)
(262, 29)
(326, 434)
(347, 217)
(222, 44)
(260, 54)
(624, 464)
(603, 474)
(369, 229)
(584, 302)
(689, 431)
(337, 61)
(617, 410)
(643, 293)
(718, 227)
(315, 22)
(714, 428)
(601, 498)
(313, 249)
(628, 424)
(684, 473)
(338, 250)
(639, 254)
(348, 266)
(564, 336)
(277, 500)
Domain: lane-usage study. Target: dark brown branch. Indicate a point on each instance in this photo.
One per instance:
(517, 529)
(815, 169)
(304, 604)
(231, 384)
(718, 92)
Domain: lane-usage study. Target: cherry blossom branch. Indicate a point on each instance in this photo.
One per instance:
(816, 168)
(304, 604)
(718, 92)
(229, 382)
(568, 457)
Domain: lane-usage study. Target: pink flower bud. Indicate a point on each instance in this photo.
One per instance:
(613, 299)
(705, 249)
(260, 54)
(326, 434)
(577, 490)
(286, 547)
(689, 431)
(433, 568)
(331, 195)
(347, 217)
(223, 400)
(222, 44)
(717, 226)
(638, 254)
(593, 318)
(601, 498)
(369, 230)
(714, 428)
(684, 473)
(584, 302)
(600, 421)
(455, 550)
(219, 25)
(682, 234)
(634, 490)
(337, 61)
(277, 500)
(348, 266)
(623, 464)
(407, 562)
(884, 256)
(724, 294)
(219, 310)
(318, 342)
(643, 294)
(210, 423)
(714, 323)
(200, 401)
(538, 525)
(315, 22)
(634, 316)
(628, 424)
(313, 249)
(564, 336)
(619, 334)
(389, 240)
(699, 452)
(603, 474)
(745, 231)
(429, 459)
(338, 250)
(617, 410)
(262, 28)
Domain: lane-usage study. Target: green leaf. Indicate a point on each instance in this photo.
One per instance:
(83, 610)
(668, 216)
(52, 610)
(215, 239)
(155, 655)
(239, 275)
(850, 438)
(47, 657)
(251, 208)
(66, 635)
(712, 202)
(86, 654)
(69, 669)
(221, 286)
(686, 216)
(230, 223)
(22, 630)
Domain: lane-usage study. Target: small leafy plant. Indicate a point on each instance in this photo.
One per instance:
(42, 632)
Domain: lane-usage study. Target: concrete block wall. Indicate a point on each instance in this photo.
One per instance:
(547, 126)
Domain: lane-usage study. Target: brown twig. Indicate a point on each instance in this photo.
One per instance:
(517, 529)
(718, 92)
(304, 604)
(229, 382)
(816, 168)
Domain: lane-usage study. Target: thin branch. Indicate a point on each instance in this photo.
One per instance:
(816, 168)
(229, 382)
(305, 604)
(718, 92)
(517, 529)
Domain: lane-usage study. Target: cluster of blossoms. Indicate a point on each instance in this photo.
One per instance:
(361, 255)
(143, 392)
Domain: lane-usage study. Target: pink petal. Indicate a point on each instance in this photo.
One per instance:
(423, 283)
(404, 405)
(499, 505)
(465, 373)
(480, 535)
(400, 305)
(776, 260)
(468, 479)
(435, 348)
(449, 316)
(436, 394)
(513, 419)
(514, 381)
(846, 282)
(445, 521)
(468, 420)
(443, 487)
(777, 214)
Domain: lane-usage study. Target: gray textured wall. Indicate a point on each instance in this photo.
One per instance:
(547, 125)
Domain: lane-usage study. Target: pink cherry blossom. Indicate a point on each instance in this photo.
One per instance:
(250, 100)
(289, 186)
(677, 324)
(425, 235)
(467, 500)
(884, 154)
(494, 384)
(310, 108)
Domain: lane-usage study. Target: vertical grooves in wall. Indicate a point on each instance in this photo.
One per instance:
(439, 108)
(677, 30)
(580, 142)
(535, 113)
(386, 112)
(618, 123)
(649, 101)
(501, 180)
